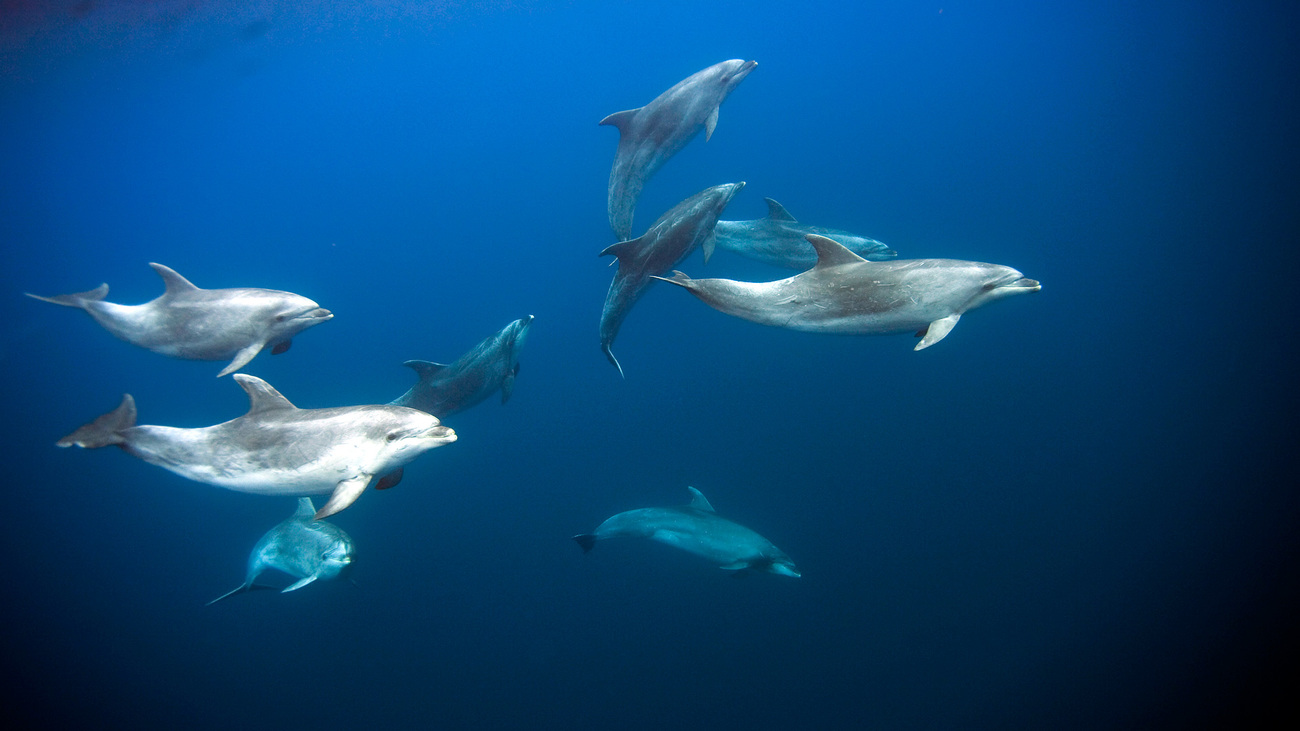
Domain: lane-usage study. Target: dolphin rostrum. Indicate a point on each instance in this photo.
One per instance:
(302, 547)
(670, 240)
(277, 448)
(203, 324)
(648, 136)
(845, 293)
(779, 240)
(696, 529)
(491, 366)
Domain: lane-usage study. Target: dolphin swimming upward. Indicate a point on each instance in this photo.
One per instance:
(277, 448)
(490, 366)
(203, 324)
(696, 529)
(781, 241)
(845, 293)
(302, 547)
(670, 240)
(648, 136)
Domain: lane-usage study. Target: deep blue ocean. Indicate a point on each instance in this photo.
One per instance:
(1078, 511)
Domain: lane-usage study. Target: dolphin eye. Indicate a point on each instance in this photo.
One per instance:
(279, 318)
(392, 435)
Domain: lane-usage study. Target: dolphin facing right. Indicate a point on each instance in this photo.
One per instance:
(301, 547)
(490, 366)
(696, 529)
(203, 324)
(847, 294)
(780, 240)
(649, 135)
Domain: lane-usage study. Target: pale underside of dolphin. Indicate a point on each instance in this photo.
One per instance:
(302, 547)
(677, 233)
(649, 135)
(277, 448)
(203, 324)
(847, 294)
(697, 529)
(780, 240)
(490, 366)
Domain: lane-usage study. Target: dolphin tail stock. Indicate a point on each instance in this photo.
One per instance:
(586, 540)
(610, 354)
(104, 430)
(239, 590)
(75, 300)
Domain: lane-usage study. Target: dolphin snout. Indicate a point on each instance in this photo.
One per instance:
(1026, 283)
(444, 433)
(320, 313)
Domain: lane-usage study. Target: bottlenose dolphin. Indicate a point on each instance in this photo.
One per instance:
(491, 365)
(670, 240)
(845, 293)
(302, 547)
(780, 240)
(648, 136)
(203, 324)
(277, 448)
(696, 529)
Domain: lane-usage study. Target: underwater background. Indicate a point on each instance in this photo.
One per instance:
(1077, 511)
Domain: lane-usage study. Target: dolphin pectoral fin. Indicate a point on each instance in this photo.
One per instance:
(282, 347)
(297, 584)
(508, 385)
(735, 566)
(708, 246)
(710, 124)
(75, 300)
(389, 480)
(937, 331)
(345, 493)
(241, 359)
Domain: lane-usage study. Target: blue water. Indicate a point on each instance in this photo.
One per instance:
(1077, 511)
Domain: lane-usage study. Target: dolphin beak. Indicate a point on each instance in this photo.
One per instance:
(443, 434)
(1027, 284)
(320, 313)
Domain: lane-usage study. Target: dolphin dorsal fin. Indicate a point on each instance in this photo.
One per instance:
(777, 212)
(424, 368)
(831, 253)
(262, 396)
(623, 248)
(175, 283)
(620, 119)
(699, 502)
(305, 509)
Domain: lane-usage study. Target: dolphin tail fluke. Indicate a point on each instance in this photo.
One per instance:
(75, 300)
(104, 430)
(610, 354)
(239, 590)
(678, 278)
(586, 540)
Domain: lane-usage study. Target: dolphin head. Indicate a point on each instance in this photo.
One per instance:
(517, 332)
(775, 561)
(734, 71)
(1000, 282)
(336, 559)
(406, 433)
(288, 314)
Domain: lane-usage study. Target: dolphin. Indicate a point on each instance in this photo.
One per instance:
(649, 135)
(845, 293)
(203, 324)
(301, 547)
(779, 240)
(670, 240)
(277, 448)
(696, 529)
(490, 366)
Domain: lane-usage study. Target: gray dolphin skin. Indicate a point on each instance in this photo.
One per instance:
(671, 239)
(696, 529)
(779, 240)
(649, 135)
(490, 366)
(845, 293)
(203, 324)
(302, 547)
(277, 448)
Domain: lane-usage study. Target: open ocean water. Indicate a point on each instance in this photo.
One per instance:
(1078, 511)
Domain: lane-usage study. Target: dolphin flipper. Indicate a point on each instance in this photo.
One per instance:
(937, 331)
(345, 493)
(242, 358)
(298, 584)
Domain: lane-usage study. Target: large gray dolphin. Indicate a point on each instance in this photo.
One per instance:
(780, 240)
(648, 136)
(277, 448)
(696, 529)
(490, 366)
(670, 240)
(845, 293)
(203, 324)
(302, 547)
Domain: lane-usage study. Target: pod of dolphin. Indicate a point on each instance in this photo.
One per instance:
(849, 284)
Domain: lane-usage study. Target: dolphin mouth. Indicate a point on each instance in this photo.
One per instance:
(743, 71)
(442, 433)
(319, 313)
(1025, 283)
